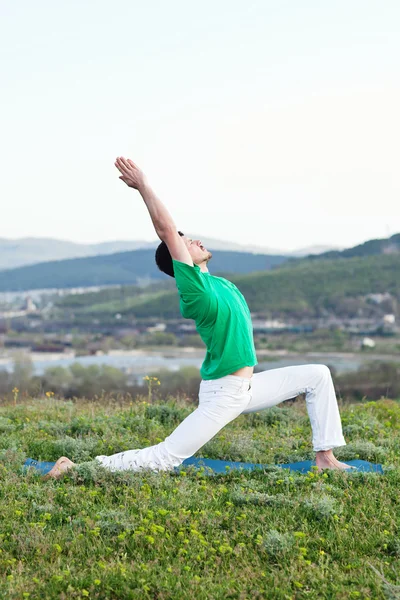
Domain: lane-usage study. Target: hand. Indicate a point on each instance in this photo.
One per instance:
(130, 173)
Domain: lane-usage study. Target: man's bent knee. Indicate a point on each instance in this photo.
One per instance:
(321, 370)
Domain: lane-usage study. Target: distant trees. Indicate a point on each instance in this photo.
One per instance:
(372, 381)
(185, 382)
(160, 338)
(22, 371)
(73, 381)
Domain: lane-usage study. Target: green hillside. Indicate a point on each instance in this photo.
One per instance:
(370, 248)
(308, 289)
(123, 268)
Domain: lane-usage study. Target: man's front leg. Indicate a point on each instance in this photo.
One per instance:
(274, 386)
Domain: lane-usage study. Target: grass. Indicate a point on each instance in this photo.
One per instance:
(269, 534)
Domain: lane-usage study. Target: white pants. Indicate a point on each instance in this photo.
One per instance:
(222, 400)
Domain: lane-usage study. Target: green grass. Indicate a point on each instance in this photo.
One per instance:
(268, 534)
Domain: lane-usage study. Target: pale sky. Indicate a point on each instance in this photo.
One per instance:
(266, 122)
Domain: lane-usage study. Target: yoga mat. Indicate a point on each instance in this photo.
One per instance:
(220, 466)
(43, 467)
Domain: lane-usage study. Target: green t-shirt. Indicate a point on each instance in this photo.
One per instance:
(222, 319)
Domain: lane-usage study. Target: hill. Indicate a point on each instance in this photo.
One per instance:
(29, 251)
(389, 245)
(137, 267)
(307, 289)
(121, 268)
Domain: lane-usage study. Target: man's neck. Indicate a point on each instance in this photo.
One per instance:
(203, 267)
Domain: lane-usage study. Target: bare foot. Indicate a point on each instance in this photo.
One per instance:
(326, 460)
(62, 466)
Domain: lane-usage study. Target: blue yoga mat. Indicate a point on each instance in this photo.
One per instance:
(43, 467)
(225, 466)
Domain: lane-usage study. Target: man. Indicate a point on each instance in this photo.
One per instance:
(228, 387)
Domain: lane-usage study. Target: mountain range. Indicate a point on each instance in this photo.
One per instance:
(138, 266)
(127, 268)
(29, 251)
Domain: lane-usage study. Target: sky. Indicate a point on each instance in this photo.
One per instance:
(263, 122)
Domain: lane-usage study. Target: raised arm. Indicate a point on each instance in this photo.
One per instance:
(162, 220)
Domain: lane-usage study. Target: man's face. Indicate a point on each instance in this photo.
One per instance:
(197, 251)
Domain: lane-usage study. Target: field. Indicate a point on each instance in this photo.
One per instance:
(268, 534)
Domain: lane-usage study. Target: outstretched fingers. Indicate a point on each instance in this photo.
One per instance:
(119, 167)
(125, 163)
(122, 168)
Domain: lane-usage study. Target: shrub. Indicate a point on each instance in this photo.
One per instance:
(278, 544)
(322, 507)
